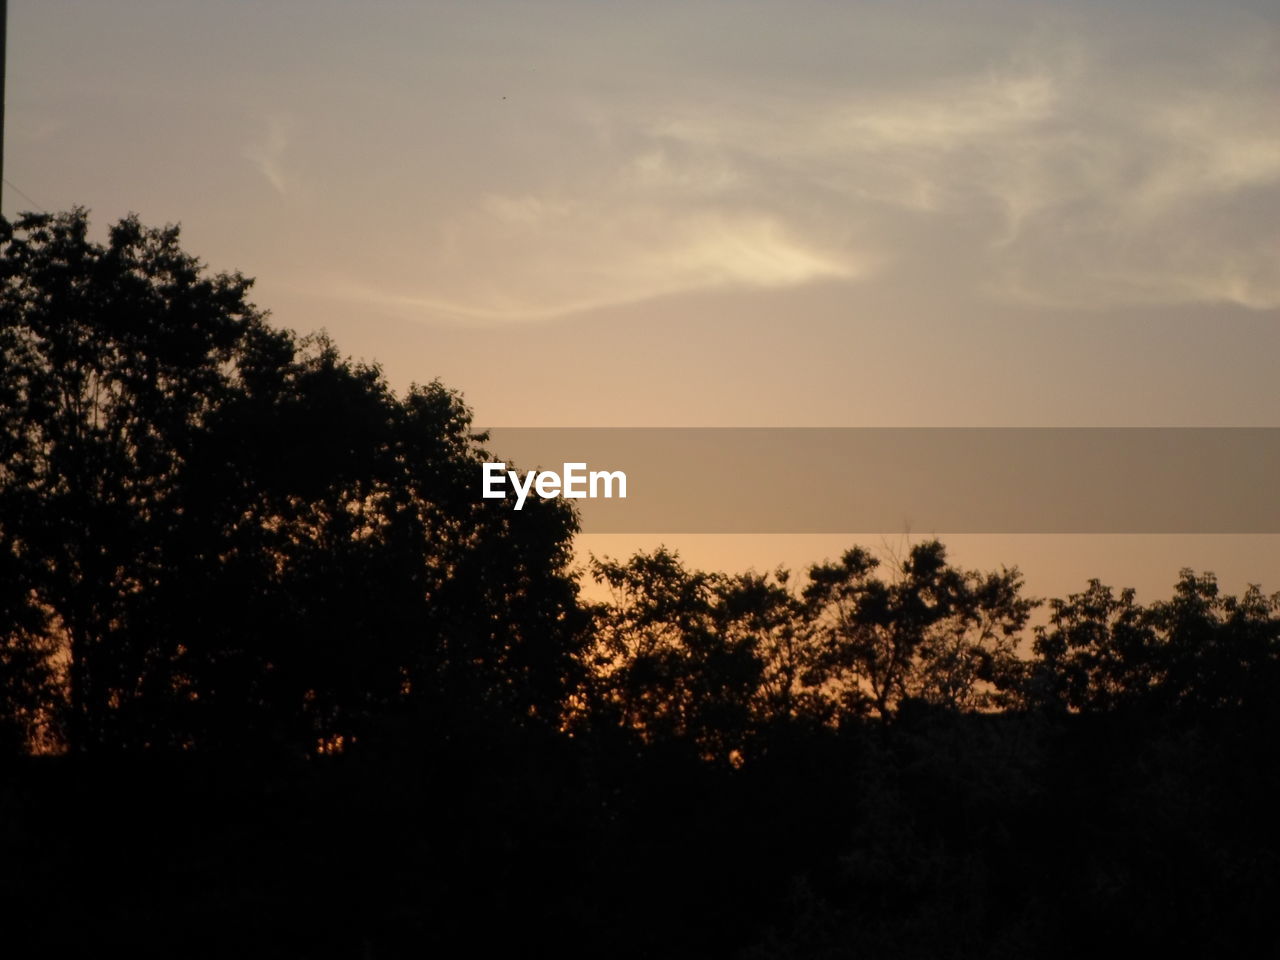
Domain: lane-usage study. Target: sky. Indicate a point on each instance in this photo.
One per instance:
(718, 213)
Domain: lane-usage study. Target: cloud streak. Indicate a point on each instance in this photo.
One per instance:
(569, 261)
(1056, 159)
(267, 154)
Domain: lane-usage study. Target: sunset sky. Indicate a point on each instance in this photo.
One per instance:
(729, 213)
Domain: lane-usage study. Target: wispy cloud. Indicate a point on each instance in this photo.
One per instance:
(1086, 181)
(267, 153)
(572, 260)
(1053, 158)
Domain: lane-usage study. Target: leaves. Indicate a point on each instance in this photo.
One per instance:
(236, 538)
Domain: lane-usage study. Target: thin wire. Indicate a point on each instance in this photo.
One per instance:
(38, 205)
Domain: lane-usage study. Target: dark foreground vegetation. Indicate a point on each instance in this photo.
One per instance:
(275, 681)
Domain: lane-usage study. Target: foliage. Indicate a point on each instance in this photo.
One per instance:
(240, 538)
(933, 632)
(722, 659)
(1199, 650)
(667, 663)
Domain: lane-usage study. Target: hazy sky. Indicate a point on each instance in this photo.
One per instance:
(730, 213)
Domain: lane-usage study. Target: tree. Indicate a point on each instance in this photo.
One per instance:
(236, 537)
(1098, 651)
(1199, 650)
(673, 657)
(113, 358)
(934, 632)
(766, 610)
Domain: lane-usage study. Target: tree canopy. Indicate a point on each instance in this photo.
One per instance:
(239, 537)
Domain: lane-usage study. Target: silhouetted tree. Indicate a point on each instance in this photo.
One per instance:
(114, 356)
(238, 538)
(666, 667)
(1098, 651)
(1215, 651)
(1198, 650)
(934, 632)
(766, 610)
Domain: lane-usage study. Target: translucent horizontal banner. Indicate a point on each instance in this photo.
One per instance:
(921, 480)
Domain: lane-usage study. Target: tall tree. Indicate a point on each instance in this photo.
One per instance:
(114, 355)
(239, 538)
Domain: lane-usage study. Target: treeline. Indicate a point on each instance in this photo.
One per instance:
(261, 640)
(721, 661)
